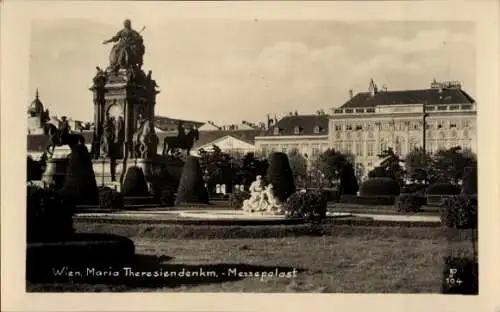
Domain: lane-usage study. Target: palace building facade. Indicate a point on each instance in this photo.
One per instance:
(443, 115)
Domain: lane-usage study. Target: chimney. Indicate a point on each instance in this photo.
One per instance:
(351, 93)
(296, 113)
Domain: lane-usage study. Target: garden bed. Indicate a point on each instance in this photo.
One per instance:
(344, 259)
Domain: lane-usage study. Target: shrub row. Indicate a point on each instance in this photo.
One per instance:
(443, 189)
(408, 203)
(379, 187)
(368, 200)
(110, 199)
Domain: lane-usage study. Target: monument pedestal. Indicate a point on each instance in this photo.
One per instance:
(55, 172)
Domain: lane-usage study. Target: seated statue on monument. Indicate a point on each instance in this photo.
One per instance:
(129, 50)
(262, 198)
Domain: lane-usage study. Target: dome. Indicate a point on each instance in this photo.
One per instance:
(36, 107)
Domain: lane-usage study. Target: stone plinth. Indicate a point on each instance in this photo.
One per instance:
(103, 173)
(55, 172)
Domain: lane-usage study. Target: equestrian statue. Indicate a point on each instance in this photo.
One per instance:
(60, 135)
(183, 141)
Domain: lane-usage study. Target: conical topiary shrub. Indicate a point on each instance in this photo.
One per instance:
(80, 184)
(348, 182)
(191, 186)
(280, 175)
(134, 183)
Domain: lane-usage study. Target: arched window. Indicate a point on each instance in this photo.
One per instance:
(337, 135)
(348, 135)
(316, 129)
(276, 131)
(370, 135)
(296, 130)
(442, 136)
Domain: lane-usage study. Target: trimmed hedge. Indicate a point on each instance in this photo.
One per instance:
(110, 199)
(80, 184)
(49, 215)
(134, 183)
(459, 212)
(408, 203)
(443, 189)
(280, 175)
(380, 187)
(191, 186)
(309, 205)
(34, 170)
(368, 200)
(413, 188)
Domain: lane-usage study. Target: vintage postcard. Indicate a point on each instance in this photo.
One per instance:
(314, 149)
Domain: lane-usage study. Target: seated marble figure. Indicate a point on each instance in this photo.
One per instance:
(262, 198)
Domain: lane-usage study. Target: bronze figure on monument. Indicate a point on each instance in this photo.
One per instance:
(129, 49)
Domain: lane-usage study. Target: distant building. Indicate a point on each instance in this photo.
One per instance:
(37, 116)
(372, 121)
(232, 142)
(307, 134)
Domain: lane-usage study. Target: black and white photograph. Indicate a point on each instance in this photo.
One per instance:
(197, 152)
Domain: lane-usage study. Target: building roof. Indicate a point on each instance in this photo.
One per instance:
(431, 96)
(170, 124)
(248, 136)
(39, 142)
(305, 123)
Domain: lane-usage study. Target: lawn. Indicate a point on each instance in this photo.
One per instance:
(340, 259)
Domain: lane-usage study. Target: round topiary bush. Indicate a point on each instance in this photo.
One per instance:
(280, 175)
(191, 186)
(80, 183)
(443, 189)
(309, 205)
(379, 187)
(134, 183)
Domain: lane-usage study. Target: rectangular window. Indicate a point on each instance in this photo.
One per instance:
(337, 147)
(315, 150)
(370, 110)
(338, 127)
(430, 108)
(442, 107)
(348, 147)
(454, 107)
(296, 130)
(370, 149)
(360, 110)
(348, 127)
(359, 149)
(466, 107)
(338, 111)
(348, 110)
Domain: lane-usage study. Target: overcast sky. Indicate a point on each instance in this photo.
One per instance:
(233, 70)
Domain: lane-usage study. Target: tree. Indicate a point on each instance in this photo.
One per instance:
(448, 164)
(220, 167)
(417, 164)
(330, 162)
(390, 166)
(251, 167)
(298, 164)
(280, 175)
